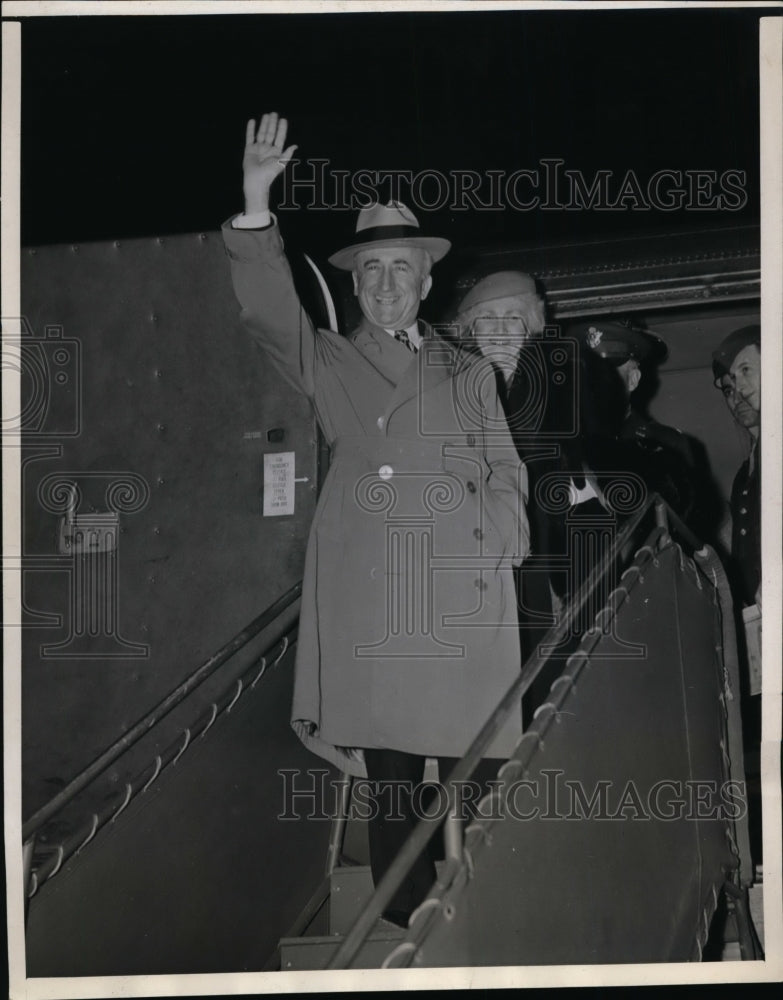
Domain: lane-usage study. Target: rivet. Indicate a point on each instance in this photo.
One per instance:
(158, 373)
(159, 241)
(116, 244)
(161, 428)
(33, 252)
(156, 529)
(153, 317)
(161, 480)
(74, 248)
(150, 579)
(202, 236)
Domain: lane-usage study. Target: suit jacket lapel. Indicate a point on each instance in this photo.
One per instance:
(437, 360)
(382, 351)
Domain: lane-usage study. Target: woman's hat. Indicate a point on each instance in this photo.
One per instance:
(500, 285)
(392, 225)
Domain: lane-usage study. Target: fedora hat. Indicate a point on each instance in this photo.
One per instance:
(392, 225)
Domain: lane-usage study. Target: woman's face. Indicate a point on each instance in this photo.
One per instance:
(500, 330)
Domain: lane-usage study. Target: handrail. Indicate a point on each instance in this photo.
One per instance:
(682, 529)
(709, 563)
(167, 757)
(425, 829)
(171, 700)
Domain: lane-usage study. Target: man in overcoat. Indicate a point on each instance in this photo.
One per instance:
(408, 632)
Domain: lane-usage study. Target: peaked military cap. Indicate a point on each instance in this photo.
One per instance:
(618, 341)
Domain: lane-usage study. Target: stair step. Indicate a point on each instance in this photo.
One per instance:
(309, 953)
(351, 888)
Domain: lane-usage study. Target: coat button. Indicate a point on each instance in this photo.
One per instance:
(743, 510)
(471, 440)
(386, 472)
(380, 422)
(478, 533)
(471, 486)
(743, 531)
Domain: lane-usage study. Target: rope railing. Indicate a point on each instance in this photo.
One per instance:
(168, 757)
(478, 835)
(426, 827)
(159, 711)
(442, 899)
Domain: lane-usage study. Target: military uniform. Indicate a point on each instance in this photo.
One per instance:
(746, 528)
(663, 458)
(660, 456)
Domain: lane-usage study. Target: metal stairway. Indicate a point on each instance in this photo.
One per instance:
(509, 893)
(643, 888)
(350, 888)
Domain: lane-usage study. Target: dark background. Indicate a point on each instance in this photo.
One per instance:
(134, 126)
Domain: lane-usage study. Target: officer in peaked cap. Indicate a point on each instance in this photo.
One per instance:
(661, 455)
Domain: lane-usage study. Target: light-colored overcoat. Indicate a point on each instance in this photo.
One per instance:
(408, 632)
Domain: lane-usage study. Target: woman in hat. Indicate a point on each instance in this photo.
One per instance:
(502, 316)
(565, 408)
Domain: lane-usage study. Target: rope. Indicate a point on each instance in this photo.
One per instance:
(401, 949)
(98, 820)
(128, 793)
(183, 748)
(238, 693)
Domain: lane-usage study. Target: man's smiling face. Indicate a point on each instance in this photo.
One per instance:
(389, 283)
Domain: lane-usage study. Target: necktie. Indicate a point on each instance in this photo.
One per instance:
(405, 340)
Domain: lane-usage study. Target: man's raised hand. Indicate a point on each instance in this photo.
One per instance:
(264, 159)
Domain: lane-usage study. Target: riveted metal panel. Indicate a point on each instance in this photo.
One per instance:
(144, 391)
(200, 873)
(613, 845)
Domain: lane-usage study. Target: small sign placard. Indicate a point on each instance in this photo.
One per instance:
(279, 483)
